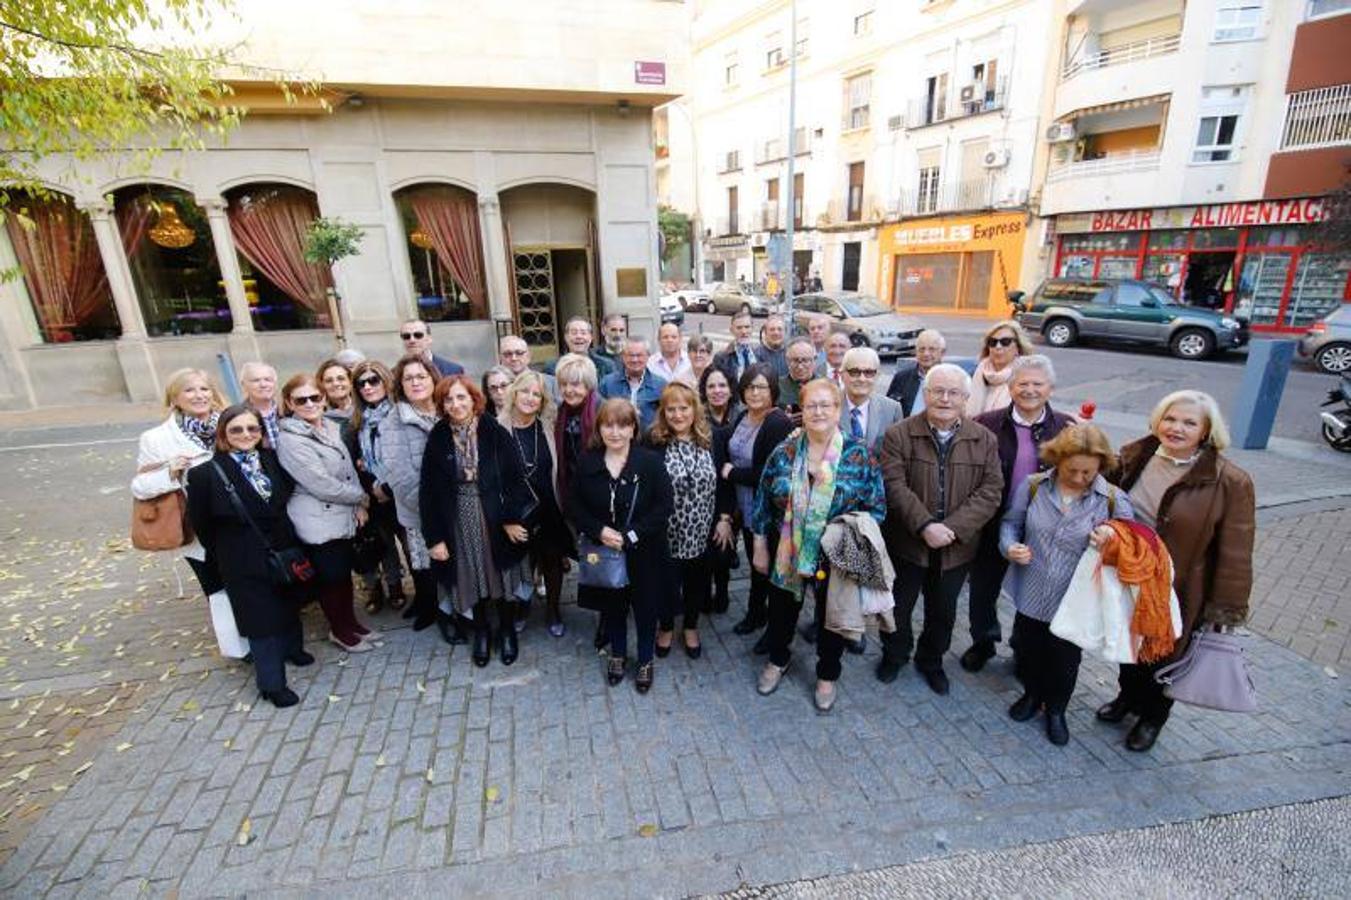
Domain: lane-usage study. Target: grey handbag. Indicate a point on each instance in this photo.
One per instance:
(1212, 673)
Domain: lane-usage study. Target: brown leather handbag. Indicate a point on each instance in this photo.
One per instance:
(160, 523)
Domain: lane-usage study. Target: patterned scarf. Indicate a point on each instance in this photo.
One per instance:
(201, 432)
(368, 438)
(805, 517)
(466, 446)
(251, 464)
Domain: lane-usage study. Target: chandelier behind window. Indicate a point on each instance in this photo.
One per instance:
(170, 231)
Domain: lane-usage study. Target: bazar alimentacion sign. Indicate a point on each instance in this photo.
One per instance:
(1306, 211)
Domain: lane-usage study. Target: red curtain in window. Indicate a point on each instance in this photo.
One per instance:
(450, 218)
(60, 260)
(269, 229)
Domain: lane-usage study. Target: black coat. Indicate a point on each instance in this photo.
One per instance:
(905, 385)
(773, 430)
(649, 562)
(234, 549)
(502, 492)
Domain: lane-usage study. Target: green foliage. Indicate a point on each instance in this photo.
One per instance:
(329, 240)
(675, 229)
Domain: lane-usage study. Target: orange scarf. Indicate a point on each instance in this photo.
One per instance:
(1142, 560)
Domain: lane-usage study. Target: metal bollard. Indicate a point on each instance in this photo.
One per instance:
(229, 378)
(1259, 395)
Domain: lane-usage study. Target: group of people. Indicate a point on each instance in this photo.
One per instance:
(957, 475)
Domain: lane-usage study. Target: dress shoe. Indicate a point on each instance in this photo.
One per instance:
(1143, 736)
(642, 679)
(762, 645)
(483, 646)
(887, 670)
(859, 646)
(557, 628)
(809, 632)
(300, 659)
(750, 622)
(663, 652)
(824, 696)
(614, 670)
(1024, 708)
(974, 659)
(357, 646)
(937, 681)
(450, 629)
(1114, 711)
(281, 698)
(770, 677)
(692, 651)
(509, 646)
(1057, 731)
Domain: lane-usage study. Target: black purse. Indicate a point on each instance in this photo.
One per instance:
(600, 566)
(286, 567)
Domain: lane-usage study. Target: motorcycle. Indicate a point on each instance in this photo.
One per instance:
(1337, 423)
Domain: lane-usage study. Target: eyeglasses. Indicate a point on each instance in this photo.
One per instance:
(804, 361)
(412, 335)
(861, 373)
(757, 386)
(306, 400)
(1000, 341)
(369, 381)
(944, 393)
(819, 407)
(416, 376)
(515, 352)
(498, 385)
(237, 430)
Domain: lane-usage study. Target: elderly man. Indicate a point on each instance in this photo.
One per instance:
(863, 415)
(837, 345)
(943, 484)
(801, 357)
(773, 334)
(741, 354)
(514, 354)
(258, 380)
(417, 341)
(930, 345)
(1019, 429)
(635, 383)
(614, 330)
(577, 338)
(671, 362)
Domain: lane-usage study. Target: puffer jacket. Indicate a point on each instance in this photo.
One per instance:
(403, 435)
(327, 491)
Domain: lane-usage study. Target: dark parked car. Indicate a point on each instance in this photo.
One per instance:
(1066, 310)
(1328, 342)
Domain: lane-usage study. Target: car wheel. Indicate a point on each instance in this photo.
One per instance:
(1060, 333)
(858, 339)
(1334, 359)
(1192, 343)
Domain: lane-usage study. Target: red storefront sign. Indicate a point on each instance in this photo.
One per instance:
(649, 73)
(1306, 211)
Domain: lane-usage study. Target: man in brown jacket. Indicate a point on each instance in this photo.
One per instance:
(943, 482)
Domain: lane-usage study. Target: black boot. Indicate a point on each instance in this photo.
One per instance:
(449, 626)
(508, 644)
(423, 608)
(483, 635)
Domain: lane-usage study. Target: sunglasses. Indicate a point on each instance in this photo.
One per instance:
(237, 430)
(369, 381)
(306, 400)
(861, 373)
(412, 335)
(1000, 342)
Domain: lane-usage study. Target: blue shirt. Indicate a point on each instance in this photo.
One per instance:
(645, 397)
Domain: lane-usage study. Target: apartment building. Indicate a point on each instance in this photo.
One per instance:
(913, 149)
(1195, 143)
(502, 176)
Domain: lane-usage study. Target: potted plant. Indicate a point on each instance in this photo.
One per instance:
(327, 241)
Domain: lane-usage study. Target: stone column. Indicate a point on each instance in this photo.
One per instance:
(115, 265)
(495, 250)
(228, 260)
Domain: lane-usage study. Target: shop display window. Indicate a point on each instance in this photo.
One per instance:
(1168, 240)
(1277, 236)
(1318, 289)
(1261, 286)
(1117, 267)
(1215, 238)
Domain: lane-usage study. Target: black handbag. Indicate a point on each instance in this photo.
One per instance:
(286, 567)
(600, 566)
(368, 547)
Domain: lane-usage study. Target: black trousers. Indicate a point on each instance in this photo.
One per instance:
(758, 598)
(690, 587)
(784, 609)
(940, 589)
(269, 655)
(987, 577)
(615, 622)
(1143, 693)
(1048, 666)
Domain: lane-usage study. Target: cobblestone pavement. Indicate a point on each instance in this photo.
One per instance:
(133, 761)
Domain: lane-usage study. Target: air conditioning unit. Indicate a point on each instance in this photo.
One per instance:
(996, 159)
(1060, 133)
(1012, 197)
(895, 123)
(973, 92)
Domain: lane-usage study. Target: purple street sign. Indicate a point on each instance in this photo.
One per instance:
(649, 72)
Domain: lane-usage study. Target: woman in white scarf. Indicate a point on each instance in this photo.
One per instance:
(1003, 343)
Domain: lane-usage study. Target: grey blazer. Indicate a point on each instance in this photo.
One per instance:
(883, 412)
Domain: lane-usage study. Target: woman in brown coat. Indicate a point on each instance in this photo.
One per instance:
(1203, 507)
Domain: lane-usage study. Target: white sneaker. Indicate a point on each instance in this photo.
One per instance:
(770, 676)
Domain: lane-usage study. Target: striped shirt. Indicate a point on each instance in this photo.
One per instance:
(1057, 533)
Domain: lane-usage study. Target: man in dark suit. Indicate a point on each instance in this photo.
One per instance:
(930, 346)
(417, 341)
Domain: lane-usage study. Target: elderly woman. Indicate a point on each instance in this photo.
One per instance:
(244, 474)
(682, 436)
(326, 506)
(181, 442)
(815, 475)
(700, 350)
(473, 502)
(335, 379)
(403, 437)
(374, 391)
(494, 384)
(1202, 505)
(621, 498)
(741, 457)
(1051, 520)
(1003, 343)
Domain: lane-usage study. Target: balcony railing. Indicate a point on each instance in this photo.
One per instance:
(1115, 56)
(838, 212)
(959, 196)
(926, 111)
(770, 216)
(1115, 164)
(1317, 118)
(772, 150)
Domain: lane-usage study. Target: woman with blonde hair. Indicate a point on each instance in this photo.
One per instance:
(1052, 519)
(1003, 343)
(1202, 505)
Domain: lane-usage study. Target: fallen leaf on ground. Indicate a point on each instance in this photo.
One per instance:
(122, 746)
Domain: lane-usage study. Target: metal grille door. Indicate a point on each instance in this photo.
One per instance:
(535, 297)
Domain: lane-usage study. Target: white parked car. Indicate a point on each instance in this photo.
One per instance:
(671, 309)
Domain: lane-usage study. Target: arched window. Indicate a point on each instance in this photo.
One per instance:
(62, 270)
(445, 248)
(268, 223)
(173, 261)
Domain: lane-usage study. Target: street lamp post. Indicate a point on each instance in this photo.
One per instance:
(792, 156)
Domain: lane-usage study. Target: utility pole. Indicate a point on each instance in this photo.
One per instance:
(792, 157)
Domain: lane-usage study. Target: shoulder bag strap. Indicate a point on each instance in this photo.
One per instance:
(240, 509)
(632, 504)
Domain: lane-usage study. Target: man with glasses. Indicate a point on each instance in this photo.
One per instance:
(514, 354)
(636, 383)
(930, 345)
(417, 341)
(259, 383)
(943, 482)
(801, 357)
(577, 338)
(865, 416)
(741, 354)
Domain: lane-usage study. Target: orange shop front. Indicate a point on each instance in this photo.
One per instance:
(1258, 260)
(952, 264)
